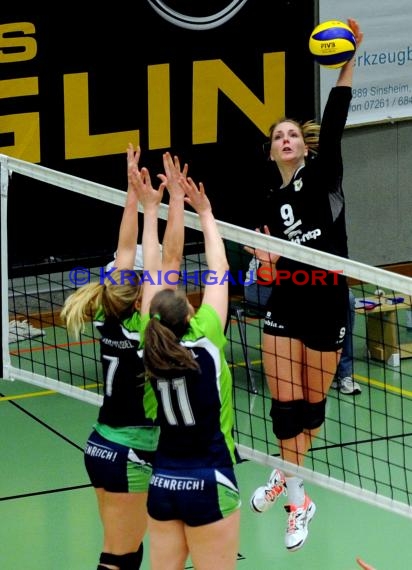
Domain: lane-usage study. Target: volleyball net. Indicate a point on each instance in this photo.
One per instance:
(364, 448)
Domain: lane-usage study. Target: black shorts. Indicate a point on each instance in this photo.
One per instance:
(313, 314)
(115, 467)
(194, 496)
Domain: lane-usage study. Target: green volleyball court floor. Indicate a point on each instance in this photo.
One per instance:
(48, 509)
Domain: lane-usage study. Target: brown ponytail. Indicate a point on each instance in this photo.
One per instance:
(169, 321)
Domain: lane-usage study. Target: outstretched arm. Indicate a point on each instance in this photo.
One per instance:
(216, 292)
(346, 72)
(334, 119)
(173, 240)
(150, 200)
(128, 231)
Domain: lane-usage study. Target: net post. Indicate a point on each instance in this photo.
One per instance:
(4, 352)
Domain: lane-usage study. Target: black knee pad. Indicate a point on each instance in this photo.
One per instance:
(314, 414)
(139, 556)
(287, 418)
(130, 561)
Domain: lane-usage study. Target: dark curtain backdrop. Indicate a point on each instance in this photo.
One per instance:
(115, 48)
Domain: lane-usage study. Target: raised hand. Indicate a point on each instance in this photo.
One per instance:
(133, 157)
(354, 26)
(141, 182)
(265, 257)
(172, 175)
(195, 196)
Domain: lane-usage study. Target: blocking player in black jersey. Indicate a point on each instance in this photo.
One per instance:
(305, 322)
(193, 501)
(119, 452)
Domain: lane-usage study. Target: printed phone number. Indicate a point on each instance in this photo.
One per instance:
(382, 103)
(381, 97)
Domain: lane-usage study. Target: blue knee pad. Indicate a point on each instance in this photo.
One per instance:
(287, 418)
(314, 414)
(130, 561)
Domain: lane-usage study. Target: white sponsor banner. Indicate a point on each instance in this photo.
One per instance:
(382, 84)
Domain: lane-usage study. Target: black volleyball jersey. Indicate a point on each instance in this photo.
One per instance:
(310, 210)
(195, 413)
(128, 400)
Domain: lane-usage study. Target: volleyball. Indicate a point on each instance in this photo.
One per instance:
(332, 44)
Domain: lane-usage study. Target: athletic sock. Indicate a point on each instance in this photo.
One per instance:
(296, 490)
